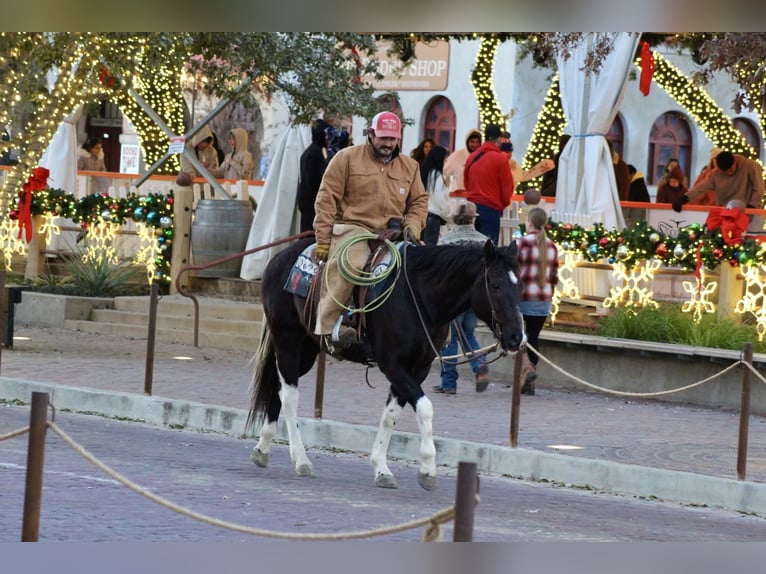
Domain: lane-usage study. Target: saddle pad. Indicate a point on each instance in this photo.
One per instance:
(304, 270)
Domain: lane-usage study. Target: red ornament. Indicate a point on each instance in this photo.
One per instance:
(661, 250)
(603, 242)
(717, 252)
(620, 239)
(647, 69)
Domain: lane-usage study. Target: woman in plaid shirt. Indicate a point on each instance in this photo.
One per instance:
(539, 275)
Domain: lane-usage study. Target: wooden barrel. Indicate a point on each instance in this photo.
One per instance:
(220, 228)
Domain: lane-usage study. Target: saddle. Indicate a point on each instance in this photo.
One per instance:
(305, 281)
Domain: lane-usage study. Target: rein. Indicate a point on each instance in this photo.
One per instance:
(457, 327)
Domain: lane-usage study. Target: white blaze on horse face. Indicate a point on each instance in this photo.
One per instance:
(513, 278)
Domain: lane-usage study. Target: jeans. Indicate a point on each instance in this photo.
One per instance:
(467, 322)
(488, 222)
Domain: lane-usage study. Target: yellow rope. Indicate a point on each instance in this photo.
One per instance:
(439, 517)
(360, 277)
(13, 434)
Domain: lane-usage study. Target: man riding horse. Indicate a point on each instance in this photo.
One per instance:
(365, 188)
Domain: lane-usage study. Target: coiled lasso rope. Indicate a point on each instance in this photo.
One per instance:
(364, 278)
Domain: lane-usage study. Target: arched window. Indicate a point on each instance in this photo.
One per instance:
(670, 138)
(440, 123)
(616, 135)
(750, 133)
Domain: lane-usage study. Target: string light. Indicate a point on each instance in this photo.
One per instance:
(754, 300)
(635, 291)
(481, 79)
(700, 294)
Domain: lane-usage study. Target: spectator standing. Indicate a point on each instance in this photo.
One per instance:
(312, 166)
(432, 175)
(463, 326)
(636, 192)
(736, 178)
(90, 157)
(238, 163)
(420, 152)
(520, 175)
(672, 162)
(709, 197)
(217, 147)
(674, 189)
(550, 178)
(539, 262)
(455, 163)
(365, 188)
(621, 173)
(489, 183)
(201, 145)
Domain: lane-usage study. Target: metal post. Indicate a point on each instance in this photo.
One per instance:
(744, 413)
(5, 306)
(150, 339)
(319, 392)
(518, 364)
(35, 454)
(465, 501)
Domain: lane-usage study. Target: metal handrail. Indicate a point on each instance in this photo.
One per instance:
(181, 291)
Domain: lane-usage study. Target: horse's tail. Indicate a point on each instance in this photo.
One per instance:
(264, 388)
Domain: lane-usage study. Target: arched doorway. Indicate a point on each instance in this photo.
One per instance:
(440, 123)
(670, 138)
(105, 121)
(750, 133)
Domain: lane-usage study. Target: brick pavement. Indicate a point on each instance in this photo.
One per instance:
(665, 436)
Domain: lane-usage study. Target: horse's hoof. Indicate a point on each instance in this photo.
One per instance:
(304, 470)
(260, 458)
(385, 481)
(427, 481)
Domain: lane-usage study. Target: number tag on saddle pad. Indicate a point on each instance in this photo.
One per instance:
(303, 271)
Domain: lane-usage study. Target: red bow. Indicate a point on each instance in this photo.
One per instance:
(36, 182)
(647, 69)
(732, 222)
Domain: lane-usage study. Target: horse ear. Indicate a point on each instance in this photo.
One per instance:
(490, 254)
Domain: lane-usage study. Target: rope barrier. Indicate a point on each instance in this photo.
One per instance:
(14, 434)
(755, 372)
(633, 394)
(432, 522)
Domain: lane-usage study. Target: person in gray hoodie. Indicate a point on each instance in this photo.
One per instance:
(238, 163)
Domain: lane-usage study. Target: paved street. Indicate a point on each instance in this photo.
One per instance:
(212, 474)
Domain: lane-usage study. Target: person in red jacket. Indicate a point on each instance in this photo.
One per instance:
(489, 182)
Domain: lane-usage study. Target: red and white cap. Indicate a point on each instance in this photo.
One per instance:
(386, 125)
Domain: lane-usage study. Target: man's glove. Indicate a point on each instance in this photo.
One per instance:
(411, 233)
(321, 252)
(679, 203)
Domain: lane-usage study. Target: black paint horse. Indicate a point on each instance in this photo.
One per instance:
(445, 280)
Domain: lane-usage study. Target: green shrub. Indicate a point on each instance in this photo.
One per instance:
(97, 278)
(668, 324)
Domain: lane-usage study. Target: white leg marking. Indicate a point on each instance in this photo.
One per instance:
(289, 397)
(424, 414)
(268, 431)
(391, 414)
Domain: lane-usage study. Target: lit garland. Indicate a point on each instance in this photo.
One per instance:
(546, 134)
(153, 210)
(643, 243)
(707, 114)
(481, 79)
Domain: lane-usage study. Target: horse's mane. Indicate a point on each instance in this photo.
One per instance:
(434, 262)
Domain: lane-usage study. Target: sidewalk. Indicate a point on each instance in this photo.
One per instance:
(640, 436)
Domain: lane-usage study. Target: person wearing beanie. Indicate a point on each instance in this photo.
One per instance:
(709, 197)
(489, 182)
(674, 188)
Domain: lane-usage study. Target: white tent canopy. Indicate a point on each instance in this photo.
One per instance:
(276, 216)
(586, 182)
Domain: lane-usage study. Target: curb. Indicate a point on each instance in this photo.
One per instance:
(625, 479)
